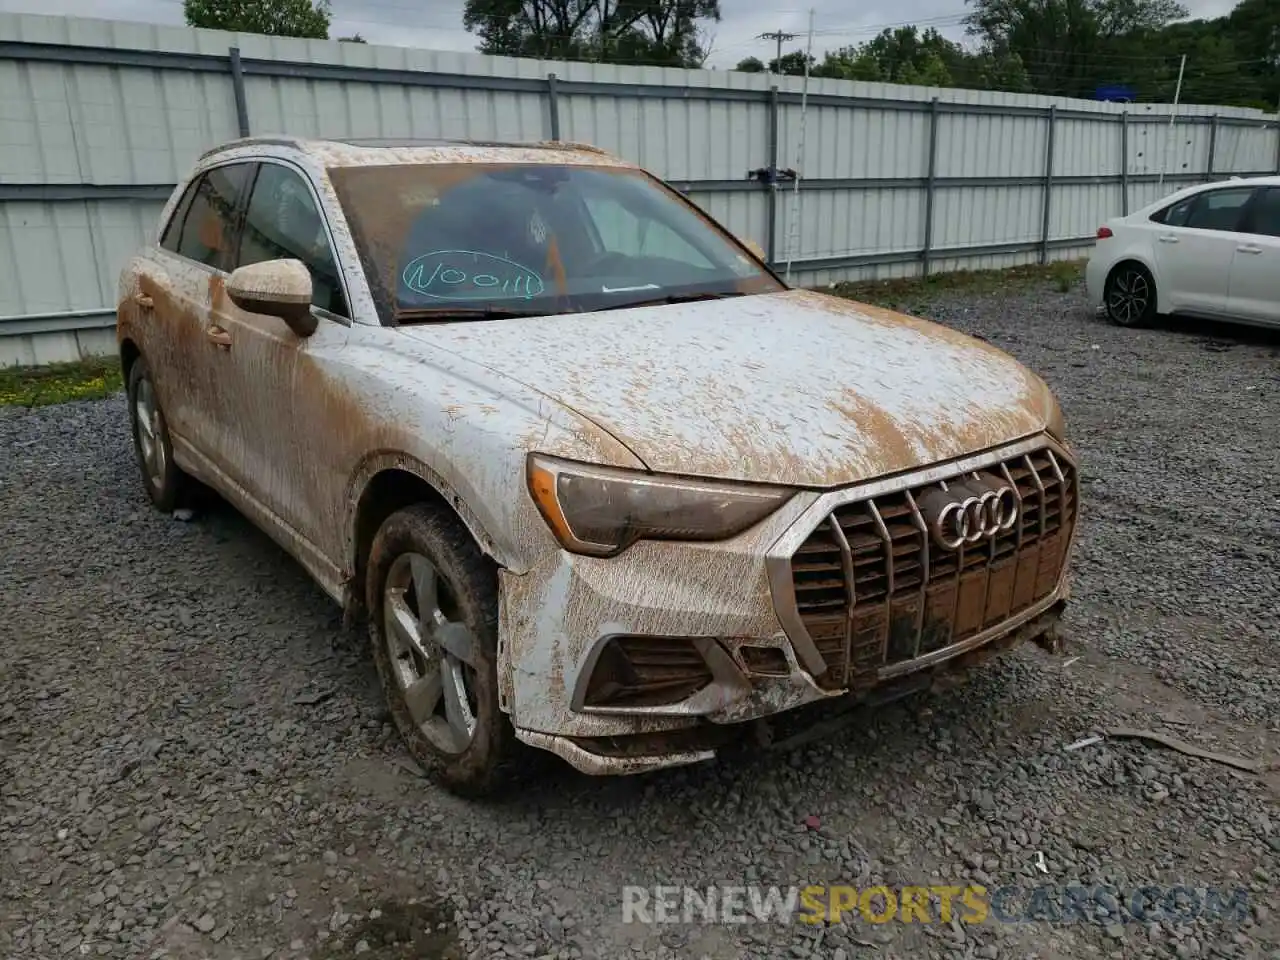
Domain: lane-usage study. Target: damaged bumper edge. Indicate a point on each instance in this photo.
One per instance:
(599, 764)
(810, 718)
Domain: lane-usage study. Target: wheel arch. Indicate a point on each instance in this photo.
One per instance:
(1134, 259)
(129, 354)
(388, 481)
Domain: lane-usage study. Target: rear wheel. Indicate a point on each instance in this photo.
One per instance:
(1130, 296)
(165, 483)
(433, 618)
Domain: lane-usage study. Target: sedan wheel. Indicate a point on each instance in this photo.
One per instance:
(1130, 296)
(433, 620)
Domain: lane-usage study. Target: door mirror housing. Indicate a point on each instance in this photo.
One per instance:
(755, 248)
(276, 288)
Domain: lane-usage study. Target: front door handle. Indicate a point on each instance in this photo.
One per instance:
(218, 337)
(1249, 248)
(143, 300)
(1168, 238)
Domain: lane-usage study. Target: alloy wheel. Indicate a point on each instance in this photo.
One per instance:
(1129, 297)
(432, 653)
(150, 432)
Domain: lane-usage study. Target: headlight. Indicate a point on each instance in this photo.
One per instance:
(600, 511)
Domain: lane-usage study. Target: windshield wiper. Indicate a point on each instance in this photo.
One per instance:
(673, 298)
(450, 314)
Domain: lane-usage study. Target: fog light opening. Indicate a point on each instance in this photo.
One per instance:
(646, 671)
(765, 661)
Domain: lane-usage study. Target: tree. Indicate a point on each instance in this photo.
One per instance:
(1253, 29)
(928, 59)
(996, 68)
(280, 18)
(902, 55)
(354, 38)
(1066, 43)
(658, 32)
(792, 64)
(1073, 48)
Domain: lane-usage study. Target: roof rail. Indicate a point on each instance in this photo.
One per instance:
(574, 145)
(404, 142)
(249, 141)
(462, 142)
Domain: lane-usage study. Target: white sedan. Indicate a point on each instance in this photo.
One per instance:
(1210, 251)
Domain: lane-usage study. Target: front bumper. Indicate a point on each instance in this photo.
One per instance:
(725, 619)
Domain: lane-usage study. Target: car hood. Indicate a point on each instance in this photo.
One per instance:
(794, 388)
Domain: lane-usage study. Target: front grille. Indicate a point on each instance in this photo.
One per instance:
(873, 588)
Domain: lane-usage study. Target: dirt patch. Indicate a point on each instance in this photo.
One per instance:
(398, 931)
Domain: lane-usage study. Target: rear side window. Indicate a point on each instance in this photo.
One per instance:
(1220, 209)
(173, 229)
(208, 228)
(1176, 215)
(1266, 213)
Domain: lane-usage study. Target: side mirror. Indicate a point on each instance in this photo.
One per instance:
(754, 248)
(277, 288)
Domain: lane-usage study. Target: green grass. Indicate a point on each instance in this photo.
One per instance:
(1063, 274)
(89, 379)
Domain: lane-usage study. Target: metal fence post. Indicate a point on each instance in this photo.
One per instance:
(237, 88)
(553, 106)
(931, 178)
(1124, 163)
(1048, 186)
(772, 234)
(1213, 144)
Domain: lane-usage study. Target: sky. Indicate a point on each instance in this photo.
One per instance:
(437, 24)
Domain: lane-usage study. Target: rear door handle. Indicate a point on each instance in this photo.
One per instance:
(143, 300)
(1249, 248)
(1168, 238)
(219, 337)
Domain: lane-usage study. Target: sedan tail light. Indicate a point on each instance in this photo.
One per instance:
(1104, 233)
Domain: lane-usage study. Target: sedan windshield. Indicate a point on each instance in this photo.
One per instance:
(488, 241)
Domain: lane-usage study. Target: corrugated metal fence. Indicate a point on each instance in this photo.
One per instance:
(98, 120)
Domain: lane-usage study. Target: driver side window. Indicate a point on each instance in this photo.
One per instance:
(622, 232)
(282, 222)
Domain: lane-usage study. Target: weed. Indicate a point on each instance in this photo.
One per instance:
(90, 379)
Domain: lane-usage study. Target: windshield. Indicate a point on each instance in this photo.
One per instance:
(456, 241)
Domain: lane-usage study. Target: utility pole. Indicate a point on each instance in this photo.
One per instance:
(780, 37)
(804, 112)
(1173, 115)
(1275, 62)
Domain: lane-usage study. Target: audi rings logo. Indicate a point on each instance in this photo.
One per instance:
(970, 511)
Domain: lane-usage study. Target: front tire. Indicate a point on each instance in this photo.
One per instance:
(1130, 296)
(164, 481)
(433, 622)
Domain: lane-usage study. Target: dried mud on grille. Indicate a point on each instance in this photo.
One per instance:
(873, 588)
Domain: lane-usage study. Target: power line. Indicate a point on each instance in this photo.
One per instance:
(779, 36)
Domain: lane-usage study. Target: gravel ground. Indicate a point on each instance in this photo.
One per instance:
(195, 762)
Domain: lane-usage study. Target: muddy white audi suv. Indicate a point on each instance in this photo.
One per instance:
(598, 480)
